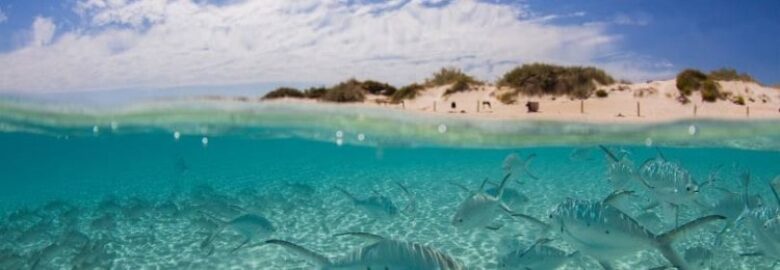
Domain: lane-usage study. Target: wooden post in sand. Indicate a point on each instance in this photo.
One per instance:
(434, 106)
(403, 104)
(747, 111)
(638, 111)
(582, 106)
(477, 105)
(695, 108)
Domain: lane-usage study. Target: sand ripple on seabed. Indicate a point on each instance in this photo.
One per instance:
(158, 242)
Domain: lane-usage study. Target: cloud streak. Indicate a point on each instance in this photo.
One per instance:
(161, 44)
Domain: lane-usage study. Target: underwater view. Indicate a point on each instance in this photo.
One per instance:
(177, 195)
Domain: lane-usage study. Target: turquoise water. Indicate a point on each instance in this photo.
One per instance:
(132, 196)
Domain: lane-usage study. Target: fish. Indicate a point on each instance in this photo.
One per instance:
(763, 222)
(480, 209)
(620, 169)
(511, 197)
(249, 226)
(376, 205)
(600, 230)
(537, 256)
(669, 183)
(381, 254)
(513, 161)
(775, 186)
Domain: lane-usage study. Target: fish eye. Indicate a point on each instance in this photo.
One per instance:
(460, 220)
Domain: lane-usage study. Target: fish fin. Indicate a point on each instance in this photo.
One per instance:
(752, 254)
(500, 192)
(609, 153)
(616, 195)
(494, 227)
(309, 255)
(665, 240)
(526, 170)
(241, 245)
(351, 197)
(533, 220)
(365, 235)
(412, 202)
(482, 186)
(660, 154)
(675, 233)
(464, 188)
(774, 186)
(605, 265)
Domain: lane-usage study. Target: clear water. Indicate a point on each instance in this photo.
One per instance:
(144, 200)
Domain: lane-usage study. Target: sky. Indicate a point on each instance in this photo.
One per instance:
(68, 46)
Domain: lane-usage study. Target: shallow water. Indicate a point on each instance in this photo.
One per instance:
(145, 200)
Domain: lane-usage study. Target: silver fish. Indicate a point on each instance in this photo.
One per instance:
(537, 256)
(763, 222)
(376, 205)
(249, 226)
(480, 209)
(605, 232)
(581, 154)
(620, 169)
(513, 162)
(382, 254)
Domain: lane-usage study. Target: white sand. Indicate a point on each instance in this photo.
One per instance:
(657, 103)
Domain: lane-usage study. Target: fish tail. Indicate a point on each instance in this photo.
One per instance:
(526, 168)
(609, 153)
(502, 185)
(351, 197)
(365, 235)
(774, 185)
(664, 241)
(313, 257)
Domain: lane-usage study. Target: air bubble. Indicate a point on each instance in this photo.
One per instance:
(176, 135)
(442, 128)
(692, 130)
(205, 141)
(339, 134)
(361, 137)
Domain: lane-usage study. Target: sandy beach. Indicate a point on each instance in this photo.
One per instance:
(650, 102)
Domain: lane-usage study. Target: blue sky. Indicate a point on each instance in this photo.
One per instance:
(85, 45)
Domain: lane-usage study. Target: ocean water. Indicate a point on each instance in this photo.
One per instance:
(121, 192)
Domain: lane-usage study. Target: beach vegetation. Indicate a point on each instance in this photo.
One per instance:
(545, 79)
(347, 91)
(601, 93)
(378, 88)
(455, 78)
(407, 92)
(283, 92)
(739, 100)
(691, 80)
(730, 74)
(315, 92)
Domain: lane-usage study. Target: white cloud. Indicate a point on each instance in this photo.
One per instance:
(3, 17)
(42, 31)
(637, 20)
(159, 44)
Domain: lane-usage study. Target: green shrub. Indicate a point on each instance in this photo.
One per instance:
(739, 100)
(546, 79)
(508, 98)
(315, 92)
(378, 88)
(730, 74)
(601, 93)
(450, 75)
(690, 80)
(349, 91)
(459, 86)
(710, 91)
(282, 92)
(407, 92)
